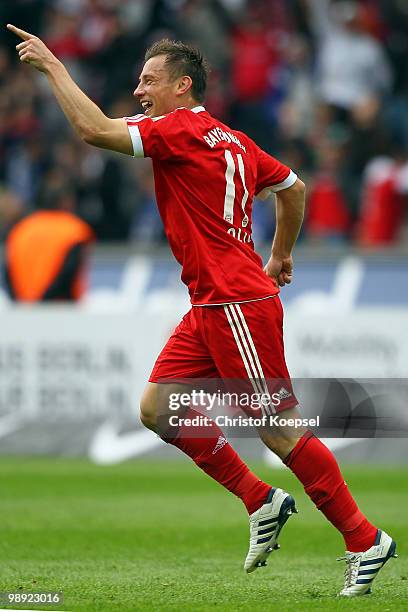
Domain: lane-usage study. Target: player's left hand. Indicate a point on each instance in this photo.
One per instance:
(32, 50)
(280, 269)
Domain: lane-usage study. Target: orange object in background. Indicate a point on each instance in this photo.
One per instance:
(46, 257)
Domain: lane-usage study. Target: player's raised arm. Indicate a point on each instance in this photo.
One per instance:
(90, 123)
(290, 207)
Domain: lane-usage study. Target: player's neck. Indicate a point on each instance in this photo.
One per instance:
(189, 103)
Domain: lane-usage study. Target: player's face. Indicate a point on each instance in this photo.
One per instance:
(156, 92)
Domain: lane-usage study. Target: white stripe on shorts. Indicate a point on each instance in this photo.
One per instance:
(249, 365)
(248, 352)
(245, 328)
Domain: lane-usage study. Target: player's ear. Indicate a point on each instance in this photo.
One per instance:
(184, 85)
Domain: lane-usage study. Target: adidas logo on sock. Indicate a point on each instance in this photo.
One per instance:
(221, 442)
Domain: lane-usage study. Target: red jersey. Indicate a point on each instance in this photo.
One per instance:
(206, 176)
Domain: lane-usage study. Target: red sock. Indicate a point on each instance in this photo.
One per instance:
(317, 469)
(216, 457)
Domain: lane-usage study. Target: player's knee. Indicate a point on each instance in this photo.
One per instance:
(281, 445)
(148, 411)
(148, 417)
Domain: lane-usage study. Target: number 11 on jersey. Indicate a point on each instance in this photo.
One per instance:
(229, 201)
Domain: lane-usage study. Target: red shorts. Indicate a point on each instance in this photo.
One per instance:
(234, 342)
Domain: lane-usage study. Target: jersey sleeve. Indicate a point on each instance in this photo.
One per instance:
(158, 137)
(272, 174)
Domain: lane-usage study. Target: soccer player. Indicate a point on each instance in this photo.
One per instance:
(206, 177)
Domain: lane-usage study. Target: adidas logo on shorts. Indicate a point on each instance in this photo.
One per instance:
(284, 393)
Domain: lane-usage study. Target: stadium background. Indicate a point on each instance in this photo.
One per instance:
(323, 86)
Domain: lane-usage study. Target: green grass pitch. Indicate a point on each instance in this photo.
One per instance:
(163, 536)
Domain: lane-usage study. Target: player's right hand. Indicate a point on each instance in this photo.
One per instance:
(280, 269)
(32, 50)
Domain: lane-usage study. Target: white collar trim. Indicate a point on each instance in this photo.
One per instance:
(196, 109)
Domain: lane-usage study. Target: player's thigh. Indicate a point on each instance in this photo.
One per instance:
(185, 355)
(184, 358)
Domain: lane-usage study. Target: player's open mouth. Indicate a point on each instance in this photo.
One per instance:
(146, 105)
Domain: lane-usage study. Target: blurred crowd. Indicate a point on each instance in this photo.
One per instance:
(321, 84)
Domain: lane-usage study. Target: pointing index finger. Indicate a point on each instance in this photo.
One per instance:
(21, 33)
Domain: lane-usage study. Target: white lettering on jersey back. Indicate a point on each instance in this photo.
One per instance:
(217, 135)
(240, 235)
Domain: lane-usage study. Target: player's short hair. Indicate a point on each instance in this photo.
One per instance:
(183, 60)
